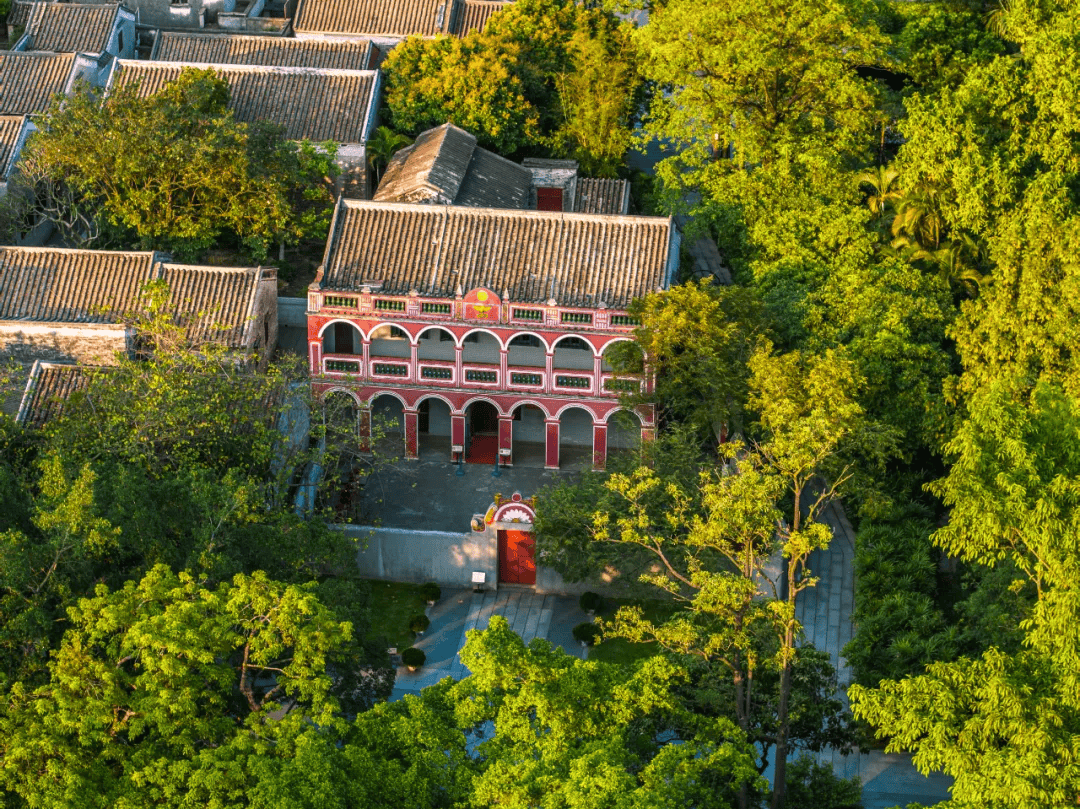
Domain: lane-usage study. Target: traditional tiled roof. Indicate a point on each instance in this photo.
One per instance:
(319, 105)
(577, 259)
(472, 15)
(214, 304)
(234, 49)
(10, 129)
(445, 165)
(19, 14)
(48, 389)
(602, 196)
(392, 18)
(28, 81)
(71, 286)
(71, 27)
(54, 285)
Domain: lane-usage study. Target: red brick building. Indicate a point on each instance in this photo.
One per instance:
(482, 332)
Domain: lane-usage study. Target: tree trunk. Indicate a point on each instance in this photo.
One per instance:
(780, 770)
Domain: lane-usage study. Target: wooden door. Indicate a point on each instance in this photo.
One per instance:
(549, 199)
(517, 557)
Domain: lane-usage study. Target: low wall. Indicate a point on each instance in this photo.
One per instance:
(399, 554)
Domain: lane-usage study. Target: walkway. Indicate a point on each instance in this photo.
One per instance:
(530, 615)
(825, 613)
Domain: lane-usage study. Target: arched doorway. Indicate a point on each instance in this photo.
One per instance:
(529, 435)
(433, 427)
(388, 425)
(575, 439)
(481, 433)
(623, 433)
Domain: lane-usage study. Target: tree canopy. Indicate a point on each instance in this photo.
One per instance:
(172, 171)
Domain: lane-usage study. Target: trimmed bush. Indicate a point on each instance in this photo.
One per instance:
(413, 657)
(587, 633)
(431, 591)
(419, 623)
(590, 602)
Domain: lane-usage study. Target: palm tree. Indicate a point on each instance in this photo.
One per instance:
(381, 146)
(919, 222)
(883, 185)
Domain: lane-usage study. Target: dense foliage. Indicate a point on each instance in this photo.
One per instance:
(171, 171)
(544, 76)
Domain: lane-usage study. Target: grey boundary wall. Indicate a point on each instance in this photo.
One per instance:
(449, 559)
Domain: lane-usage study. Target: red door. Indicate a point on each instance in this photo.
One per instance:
(517, 557)
(549, 199)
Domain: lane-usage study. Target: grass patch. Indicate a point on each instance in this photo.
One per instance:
(620, 650)
(393, 604)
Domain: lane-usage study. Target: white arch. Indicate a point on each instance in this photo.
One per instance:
(441, 398)
(465, 407)
(555, 345)
(330, 323)
(615, 340)
(401, 326)
(461, 340)
(339, 389)
(415, 339)
(543, 409)
(579, 406)
(543, 342)
(630, 410)
(374, 396)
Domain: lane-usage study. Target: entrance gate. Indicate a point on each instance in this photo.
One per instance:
(517, 557)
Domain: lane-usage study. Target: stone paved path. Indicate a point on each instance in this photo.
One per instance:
(529, 614)
(825, 613)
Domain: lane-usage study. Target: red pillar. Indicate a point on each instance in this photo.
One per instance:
(506, 439)
(599, 445)
(410, 435)
(315, 356)
(457, 431)
(551, 445)
(549, 372)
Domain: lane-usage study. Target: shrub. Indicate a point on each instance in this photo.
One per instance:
(431, 591)
(418, 623)
(590, 601)
(587, 633)
(413, 657)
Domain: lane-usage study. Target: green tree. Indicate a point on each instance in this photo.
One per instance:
(584, 734)
(544, 74)
(698, 339)
(381, 147)
(152, 682)
(172, 171)
(769, 81)
(715, 559)
(1004, 725)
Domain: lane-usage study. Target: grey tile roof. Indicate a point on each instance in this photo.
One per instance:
(577, 259)
(19, 14)
(602, 196)
(212, 303)
(70, 286)
(316, 104)
(473, 15)
(234, 49)
(28, 81)
(71, 27)
(396, 18)
(445, 165)
(54, 285)
(494, 182)
(48, 389)
(10, 129)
